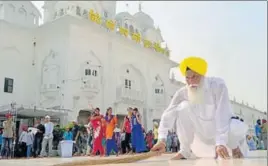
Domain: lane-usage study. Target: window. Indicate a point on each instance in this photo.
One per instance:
(131, 29)
(118, 23)
(127, 84)
(87, 72)
(126, 25)
(105, 14)
(85, 13)
(78, 11)
(95, 73)
(61, 12)
(159, 91)
(8, 86)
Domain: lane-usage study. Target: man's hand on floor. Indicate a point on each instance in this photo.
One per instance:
(221, 151)
(159, 147)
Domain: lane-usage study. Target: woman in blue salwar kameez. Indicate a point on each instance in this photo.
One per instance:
(137, 137)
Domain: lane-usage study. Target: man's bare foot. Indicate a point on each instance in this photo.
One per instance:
(178, 156)
(237, 153)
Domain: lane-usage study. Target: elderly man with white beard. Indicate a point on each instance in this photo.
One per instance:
(202, 108)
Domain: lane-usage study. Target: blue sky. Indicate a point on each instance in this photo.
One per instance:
(231, 36)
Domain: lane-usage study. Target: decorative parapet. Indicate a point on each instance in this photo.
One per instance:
(112, 26)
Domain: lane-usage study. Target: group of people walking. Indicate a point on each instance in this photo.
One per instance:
(105, 140)
(102, 136)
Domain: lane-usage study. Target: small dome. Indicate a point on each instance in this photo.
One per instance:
(144, 20)
(123, 15)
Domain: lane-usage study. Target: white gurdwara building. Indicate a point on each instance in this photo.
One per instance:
(84, 55)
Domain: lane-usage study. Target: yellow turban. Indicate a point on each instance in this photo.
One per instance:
(196, 64)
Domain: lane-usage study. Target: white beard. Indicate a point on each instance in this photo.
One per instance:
(196, 95)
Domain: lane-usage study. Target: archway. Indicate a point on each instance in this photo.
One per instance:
(83, 116)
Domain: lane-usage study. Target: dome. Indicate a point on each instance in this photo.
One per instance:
(144, 20)
(123, 15)
(153, 35)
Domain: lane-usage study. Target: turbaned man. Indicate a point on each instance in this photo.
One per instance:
(202, 108)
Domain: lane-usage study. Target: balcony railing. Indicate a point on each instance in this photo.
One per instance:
(49, 87)
(123, 93)
(92, 85)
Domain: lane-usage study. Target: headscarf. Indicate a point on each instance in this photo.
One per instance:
(195, 64)
(8, 115)
(25, 128)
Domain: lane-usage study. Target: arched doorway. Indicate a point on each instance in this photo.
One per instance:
(83, 116)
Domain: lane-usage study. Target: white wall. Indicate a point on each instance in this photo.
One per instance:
(52, 43)
(16, 53)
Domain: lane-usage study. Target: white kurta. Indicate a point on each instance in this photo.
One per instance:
(211, 122)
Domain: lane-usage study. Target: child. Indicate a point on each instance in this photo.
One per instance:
(149, 139)
(123, 142)
(30, 139)
(68, 135)
(23, 141)
(83, 141)
(117, 138)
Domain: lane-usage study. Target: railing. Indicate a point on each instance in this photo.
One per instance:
(91, 85)
(49, 87)
(129, 94)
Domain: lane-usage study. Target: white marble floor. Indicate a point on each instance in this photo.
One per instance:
(257, 158)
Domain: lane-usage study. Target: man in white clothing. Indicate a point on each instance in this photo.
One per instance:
(202, 108)
(48, 137)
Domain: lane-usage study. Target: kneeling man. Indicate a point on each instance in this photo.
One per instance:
(202, 108)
